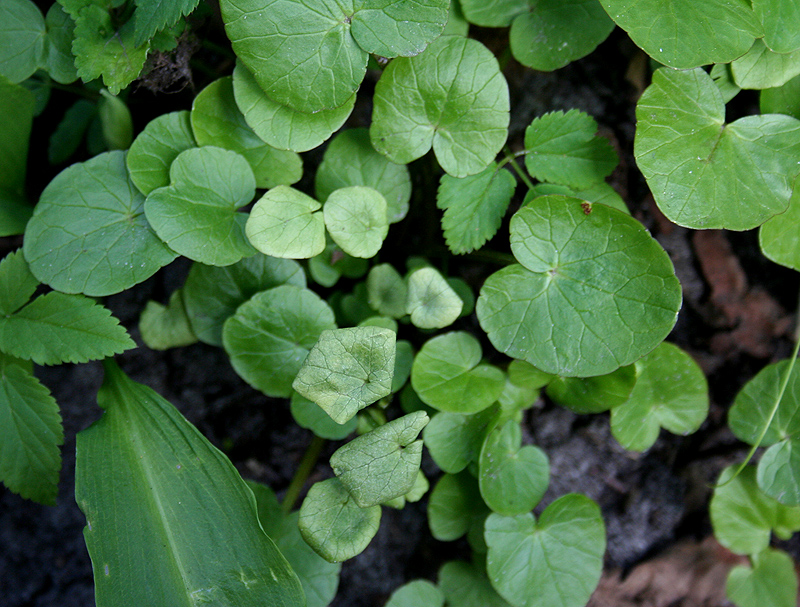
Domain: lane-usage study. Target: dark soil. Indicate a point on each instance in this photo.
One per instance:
(733, 322)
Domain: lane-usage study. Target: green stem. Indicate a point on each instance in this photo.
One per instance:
(512, 160)
(307, 464)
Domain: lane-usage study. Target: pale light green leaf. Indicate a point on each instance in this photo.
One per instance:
(564, 148)
(686, 33)
(779, 237)
(356, 218)
(152, 16)
(561, 555)
(416, 107)
(383, 464)
(454, 439)
(156, 494)
(774, 16)
(310, 415)
(333, 524)
(600, 192)
(155, 148)
(89, 234)
(29, 456)
(387, 291)
(761, 68)
(164, 327)
(771, 580)
(593, 394)
(606, 288)
(216, 120)
(197, 215)
(17, 284)
(448, 374)
(22, 39)
(474, 206)
(417, 593)
(347, 370)
(18, 102)
(671, 392)
(285, 223)
(431, 302)
(707, 174)
(269, 336)
(466, 585)
(350, 160)
(455, 506)
(115, 120)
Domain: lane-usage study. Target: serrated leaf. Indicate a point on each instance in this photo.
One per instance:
(347, 370)
(18, 102)
(557, 32)
(774, 15)
(88, 233)
(164, 327)
(279, 125)
(152, 16)
(356, 218)
(761, 68)
(285, 223)
(310, 415)
(156, 147)
(383, 464)
(269, 336)
(17, 284)
(685, 33)
(606, 288)
(387, 291)
(564, 148)
(59, 62)
(22, 39)
(707, 174)
(771, 580)
(216, 120)
(56, 328)
(561, 554)
(333, 524)
(431, 302)
(156, 494)
(744, 517)
(30, 459)
(417, 593)
(466, 585)
(454, 439)
(779, 238)
(449, 376)
(197, 215)
(415, 107)
(593, 394)
(351, 160)
(455, 506)
(474, 206)
(671, 392)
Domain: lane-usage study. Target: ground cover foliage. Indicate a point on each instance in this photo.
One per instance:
(360, 212)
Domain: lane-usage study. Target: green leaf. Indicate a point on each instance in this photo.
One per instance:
(456, 23)
(216, 120)
(671, 392)
(164, 327)
(449, 376)
(69, 134)
(558, 32)
(333, 524)
(22, 39)
(347, 370)
(88, 234)
(391, 29)
(285, 223)
(59, 62)
(310, 415)
(18, 102)
(14, 213)
(455, 506)
(17, 284)
(704, 173)
(56, 328)
(779, 238)
(29, 456)
(465, 585)
(593, 394)
(279, 125)
(561, 555)
(115, 119)
(212, 294)
(783, 99)
(270, 335)
(156, 147)
(417, 593)
(685, 33)
(403, 360)
(351, 160)
(153, 16)
(722, 76)
(761, 68)
(494, 13)
(356, 220)
(527, 376)
(771, 580)
(474, 207)
(382, 464)
(600, 193)
(779, 471)
(329, 266)
(454, 440)
(156, 494)
(744, 518)
(387, 291)
(197, 214)
(594, 292)
(564, 148)
(774, 15)
(431, 302)
(512, 478)
(452, 97)
(101, 49)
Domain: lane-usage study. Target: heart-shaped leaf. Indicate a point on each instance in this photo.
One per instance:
(593, 394)
(452, 97)
(770, 581)
(448, 374)
(707, 174)
(285, 223)
(466, 585)
(561, 555)
(356, 218)
(431, 302)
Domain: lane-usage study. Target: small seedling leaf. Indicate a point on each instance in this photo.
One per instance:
(466, 585)
(164, 327)
(454, 439)
(455, 506)
(285, 223)
(770, 581)
(432, 302)
(387, 291)
(593, 394)
(417, 593)
(356, 218)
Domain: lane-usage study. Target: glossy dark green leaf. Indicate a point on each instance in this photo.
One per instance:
(286, 223)
(164, 327)
(771, 580)
(431, 301)
(593, 394)
(356, 218)
(156, 147)
(761, 68)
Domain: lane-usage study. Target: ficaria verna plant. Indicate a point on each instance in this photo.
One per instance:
(578, 310)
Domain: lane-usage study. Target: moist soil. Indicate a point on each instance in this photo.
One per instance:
(660, 550)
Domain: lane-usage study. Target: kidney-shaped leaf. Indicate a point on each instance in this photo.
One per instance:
(356, 218)
(771, 580)
(285, 223)
(704, 173)
(156, 494)
(452, 97)
(594, 292)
